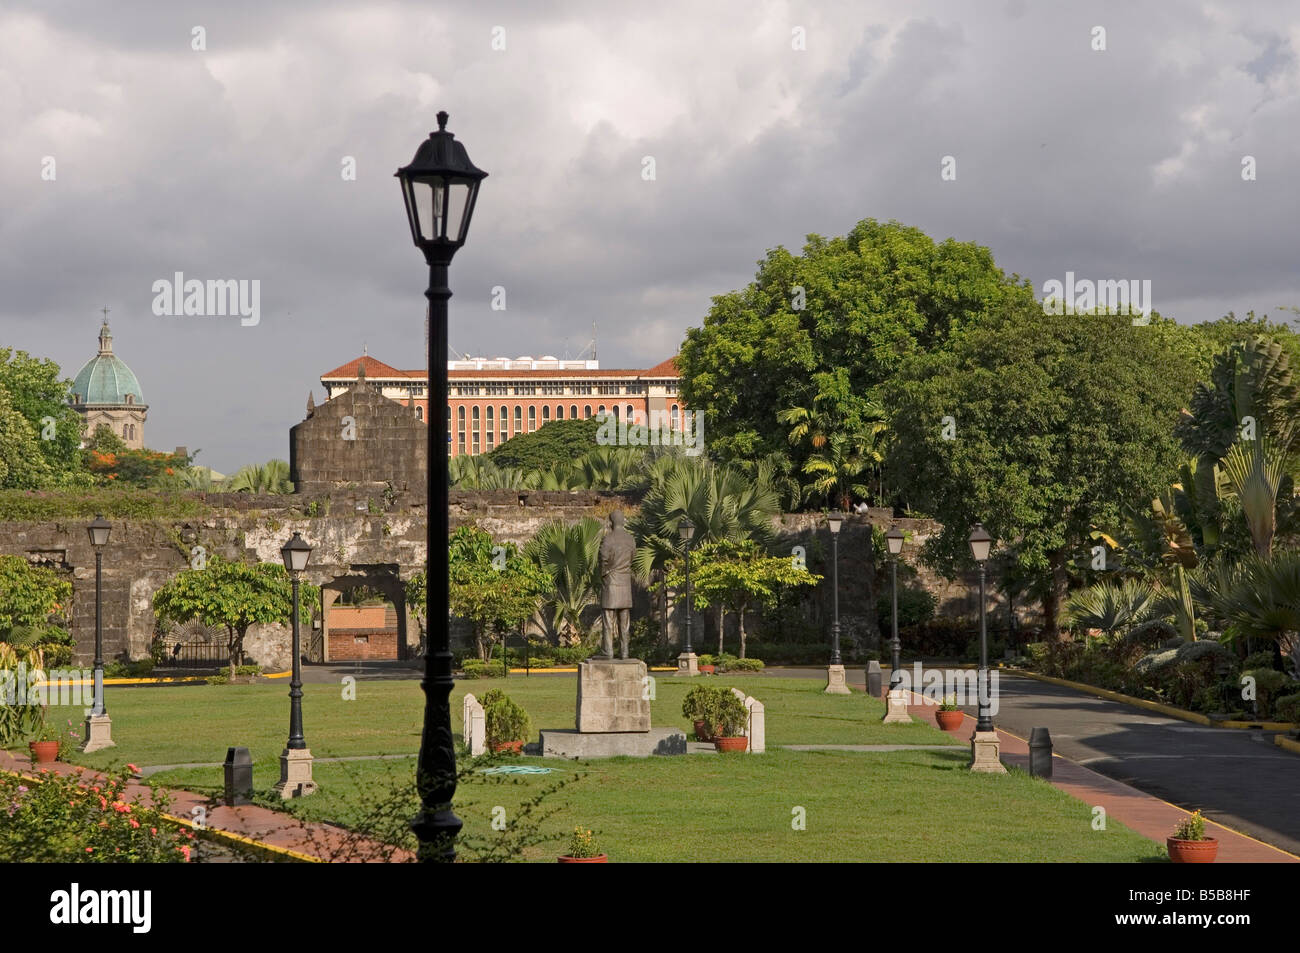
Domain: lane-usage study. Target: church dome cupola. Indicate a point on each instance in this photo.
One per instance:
(105, 379)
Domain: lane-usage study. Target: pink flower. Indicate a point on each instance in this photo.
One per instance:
(133, 769)
(185, 849)
(103, 805)
(22, 789)
(90, 850)
(153, 830)
(134, 822)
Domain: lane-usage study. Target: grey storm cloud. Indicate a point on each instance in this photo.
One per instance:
(226, 163)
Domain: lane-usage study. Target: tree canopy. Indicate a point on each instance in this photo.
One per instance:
(1041, 427)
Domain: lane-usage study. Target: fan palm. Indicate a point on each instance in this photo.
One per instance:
(1256, 474)
(569, 555)
(1258, 597)
(270, 477)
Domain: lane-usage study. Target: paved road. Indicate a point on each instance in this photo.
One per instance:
(1238, 778)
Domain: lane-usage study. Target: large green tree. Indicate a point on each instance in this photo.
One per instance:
(235, 596)
(492, 585)
(22, 466)
(30, 595)
(856, 306)
(1042, 427)
(42, 396)
(559, 441)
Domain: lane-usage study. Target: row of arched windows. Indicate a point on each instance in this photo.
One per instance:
(488, 427)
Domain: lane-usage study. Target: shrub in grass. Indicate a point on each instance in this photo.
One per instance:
(701, 704)
(731, 718)
(473, 668)
(504, 720)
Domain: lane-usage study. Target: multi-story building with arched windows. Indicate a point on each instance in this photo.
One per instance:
(491, 400)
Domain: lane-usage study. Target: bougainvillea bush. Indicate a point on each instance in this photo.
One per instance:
(85, 818)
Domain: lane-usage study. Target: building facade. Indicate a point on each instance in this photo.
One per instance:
(105, 391)
(491, 400)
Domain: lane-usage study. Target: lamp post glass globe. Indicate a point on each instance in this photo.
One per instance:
(980, 543)
(834, 520)
(894, 540)
(686, 529)
(295, 554)
(98, 531)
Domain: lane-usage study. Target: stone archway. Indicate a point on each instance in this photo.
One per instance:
(384, 579)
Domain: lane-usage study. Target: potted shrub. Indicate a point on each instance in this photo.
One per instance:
(949, 715)
(701, 706)
(730, 723)
(1188, 843)
(45, 745)
(706, 665)
(583, 849)
(506, 725)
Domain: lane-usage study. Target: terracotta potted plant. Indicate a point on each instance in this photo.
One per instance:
(45, 746)
(706, 665)
(949, 715)
(1188, 843)
(700, 706)
(730, 723)
(505, 724)
(583, 849)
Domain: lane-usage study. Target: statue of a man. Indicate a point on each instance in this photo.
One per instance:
(616, 551)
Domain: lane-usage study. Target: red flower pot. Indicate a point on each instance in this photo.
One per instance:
(598, 859)
(507, 747)
(702, 732)
(708, 669)
(949, 720)
(44, 752)
(731, 744)
(1192, 851)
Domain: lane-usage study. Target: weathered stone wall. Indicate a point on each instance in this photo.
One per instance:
(365, 537)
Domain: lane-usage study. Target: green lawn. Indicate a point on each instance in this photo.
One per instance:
(197, 723)
(896, 806)
(909, 805)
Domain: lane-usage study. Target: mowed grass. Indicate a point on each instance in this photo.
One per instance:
(895, 806)
(197, 723)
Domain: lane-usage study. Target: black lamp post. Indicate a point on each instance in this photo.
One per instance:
(295, 554)
(834, 521)
(686, 529)
(980, 544)
(439, 187)
(99, 530)
(894, 539)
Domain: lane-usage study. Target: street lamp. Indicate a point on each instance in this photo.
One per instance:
(984, 743)
(687, 662)
(896, 702)
(835, 680)
(894, 540)
(296, 760)
(439, 187)
(99, 727)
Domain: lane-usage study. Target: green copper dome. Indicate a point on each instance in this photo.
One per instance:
(106, 379)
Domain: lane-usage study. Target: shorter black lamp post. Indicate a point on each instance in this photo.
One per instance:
(296, 759)
(894, 540)
(836, 684)
(896, 700)
(99, 733)
(984, 743)
(687, 662)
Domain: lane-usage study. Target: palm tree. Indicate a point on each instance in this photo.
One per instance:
(569, 554)
(725, 504)
(847, 449)
(1256, 474)
(270, 477)
(1258, 597)
(1112, 607)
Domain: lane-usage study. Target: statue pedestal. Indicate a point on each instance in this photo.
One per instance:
(613, 695)
(613, 715)
(688, 663)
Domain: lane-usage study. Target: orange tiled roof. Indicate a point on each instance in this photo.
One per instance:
(376, 370)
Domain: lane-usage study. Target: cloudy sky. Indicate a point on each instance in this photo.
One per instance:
(227, 162)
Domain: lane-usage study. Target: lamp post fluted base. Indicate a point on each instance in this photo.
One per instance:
(295, 773)
(984, 753)
(688, 663)
(99, 733)
(836, 682)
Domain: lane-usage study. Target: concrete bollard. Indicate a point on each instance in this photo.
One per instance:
(239, 776)
(1040, 753)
